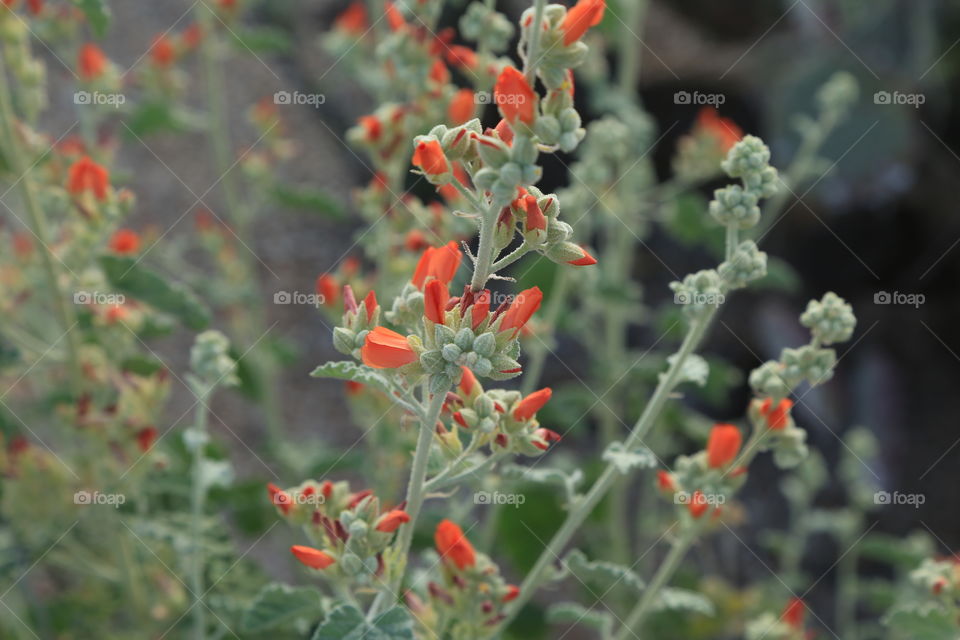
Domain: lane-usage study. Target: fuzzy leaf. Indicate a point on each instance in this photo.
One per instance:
(278, 604)
(345, 370)
(127, 276)
(348, 623)
(695, 369)
(307, 199)
(624, 460)
(573, 613)
(546, 476)
(674, 599)
(606, 575)
(97, 14)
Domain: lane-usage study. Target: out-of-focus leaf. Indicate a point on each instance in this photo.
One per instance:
(930, 622)
(349, 371)
(307, 199)
(129, 277)
(142, 365)
(97, 13)
(348, 623)
(695, 369)
(674, 599)
(626, 459)
(157, 117)
(262, 40)
(606, 575)
(573, 613)
(279, 604)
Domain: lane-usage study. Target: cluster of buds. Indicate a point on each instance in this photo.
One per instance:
(701, 483)
(504, 420)
(699, 153)
(486, 26)
(348, 530)
(468, 597)
(560, 46)
(210, 360)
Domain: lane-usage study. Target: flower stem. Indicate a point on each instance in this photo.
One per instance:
(530, 60)
(38, 221)
(198, 498)
(483, 266)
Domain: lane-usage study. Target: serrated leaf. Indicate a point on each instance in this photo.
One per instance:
(97, 13)
(278, 604)
(625, 460)
(674, 599)
(129, 277)
(348, 623)
(307, 199)
(573, 613)
(695, 369)
(606, 575)
(345, 370)
(546, 476)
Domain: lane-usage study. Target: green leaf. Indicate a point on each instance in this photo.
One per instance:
(348, 623)
(307, 199)
(674, 599)
(278, 604)
(606, 575)
(262, 40)
(127, 276)
(345, 370)
(573, 613)
(546, 476)
(97, 13)
(142, 365)
(923, 623)
(695, 369)
(624, 460)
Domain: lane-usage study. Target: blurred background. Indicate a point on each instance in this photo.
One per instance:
(877, 224)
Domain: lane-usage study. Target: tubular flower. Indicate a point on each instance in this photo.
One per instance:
(91, 62)
(481, 308)
(724, 130)
(535, 218)
(429, 156)
(87, 175)
(778, 416)
(543, 438)
(453, 546)
(698, 504)
(370, 305)
(280, 498)
(313, 558)
(793, 613)
(125, 241)
(529, 406)
(391, 520)
(665, 481)
(435, 298)
(146, 437)
(353, 20)
(437, 262)
(372, 127)
(162, 52)
(524, 305)
(394, 17)
(723, 445)
(584, 261)
(512, 592)
(468, 381)
(386, 349)
(514, 97)
(461, 107)
(326, 287)
(586, 14)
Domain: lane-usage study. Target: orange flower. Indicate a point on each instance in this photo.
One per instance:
(723, 445)
(777, 417)
(372, 127)
(452, 545)
(665, 482)
(535, 218)
(480, 309)
(529, 406)
(125, 241)
(468, 381)
(391, 521)
(439, 72)
(313, 558)
(90, 62)
(87, 175)
(794, 612)
(430, 158)
(394, 17)
(280, 498)
(461, 56)
(386, 349)
(161, 52)
(435, 298)
(461, 107)
(524, 305)
(585, 261)
(326, 287)
(514, 97)
(437, 262)
(146, 437)
(354, 19)
(512, 592)
(698, 504)
(192, 36)
(544, 437)
(370, 305)
(586, 14)
(724, 130)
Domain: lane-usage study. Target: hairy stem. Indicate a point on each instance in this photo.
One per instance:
(533, 48)
(483, 267)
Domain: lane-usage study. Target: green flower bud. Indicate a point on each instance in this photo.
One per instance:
(450, 352)
(485, 344)
(485, 178)
(548, 129)
(483, 367)
(768, 380)
(750, 155)
(733, 205)
(816, 365)
(747, 264)
(563, 252)
(350, 564)
(343, 340)
(829, 319)
(464, 339)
